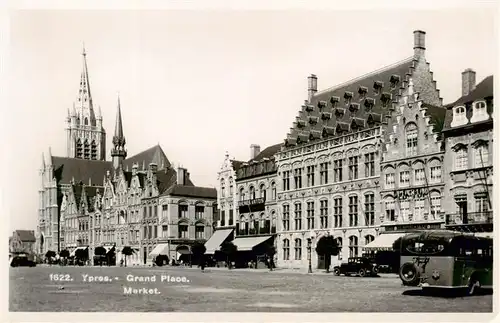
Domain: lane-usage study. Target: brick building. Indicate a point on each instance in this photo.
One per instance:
(22, 241)
(329, 167)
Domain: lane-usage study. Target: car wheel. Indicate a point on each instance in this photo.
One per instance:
(375, 271)
(362, 272)
(473, 287)
(336, 272)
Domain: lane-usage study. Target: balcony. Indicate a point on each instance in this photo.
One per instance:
(253, 205)
(255, 232)
(457, 219)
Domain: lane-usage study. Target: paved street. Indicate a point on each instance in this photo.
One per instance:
(31, 289)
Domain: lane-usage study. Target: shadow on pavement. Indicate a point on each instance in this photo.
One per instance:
(445, 293)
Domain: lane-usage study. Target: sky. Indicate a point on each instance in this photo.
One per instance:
(201, 83)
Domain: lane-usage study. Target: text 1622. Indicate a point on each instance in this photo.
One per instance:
(60, 277)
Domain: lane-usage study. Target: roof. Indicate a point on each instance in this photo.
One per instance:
(483, 90)
(236, 164)
(192, 191)
(26, 235)
(90, 193)
(152, 155)
(367, 95)
(81, 170)
(437, 115)
(269, 152)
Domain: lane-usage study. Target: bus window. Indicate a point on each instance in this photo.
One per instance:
(425, 248)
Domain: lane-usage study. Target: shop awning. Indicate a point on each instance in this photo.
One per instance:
(108, 248)
(213, 244)
(72, 254)
(160, 249)
(384, 241)
(247, 244)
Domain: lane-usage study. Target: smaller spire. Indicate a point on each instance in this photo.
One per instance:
(84, 53)
(73, 112)
(99, 113)
(50, 157)
(43, 160)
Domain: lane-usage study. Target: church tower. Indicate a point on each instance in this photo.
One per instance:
(118, 153)
(86, 137)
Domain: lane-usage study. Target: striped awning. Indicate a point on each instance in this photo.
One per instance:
(384, 241)
(219, 236)
(72, 254)
(247, 243)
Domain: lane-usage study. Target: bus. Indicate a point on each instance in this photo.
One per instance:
(446, 259)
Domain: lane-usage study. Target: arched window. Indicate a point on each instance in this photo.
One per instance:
(222, 188)
(93, 150)
(86, 149)
(411, 135)
(242, 194)
(252, 193)
(242, 223)
(262, 191)
(298, 249)
(435, 205)
(231, 191)
(459, 116)
(286, 217)
(273, 191)
(273, 222)
(481, 156)
(79, 149)
(461, 159)
(286, 249)
(353, 246)
(369, 238)
(86, 121)
(339, 244)
(298, 216)
(479, 112)
(353, 210)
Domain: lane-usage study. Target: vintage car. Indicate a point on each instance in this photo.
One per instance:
(21, 261)
(360, 266)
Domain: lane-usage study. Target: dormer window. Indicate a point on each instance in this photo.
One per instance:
(459, 116)
(313, 120)
(362, 92)
(322, 104)
(395, 79)
(377, 87)
(354, 107)
(309, 108)
(348, 97)
(479, 112)
(334, 100)
(385, 98)
(369, 103)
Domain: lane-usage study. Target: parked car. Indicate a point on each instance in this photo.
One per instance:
(360, 266)
(22, 261)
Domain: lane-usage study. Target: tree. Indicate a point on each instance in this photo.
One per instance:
(327, 246)
(127, 251)
(49, 255)
(396, 245)
(82, 254)
(64, 254)
(198, 250)
(229, 250)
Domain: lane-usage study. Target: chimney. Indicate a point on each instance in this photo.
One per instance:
(419, 44)
(468, 81)
(312, 86)
(180, 176)
(254, 151)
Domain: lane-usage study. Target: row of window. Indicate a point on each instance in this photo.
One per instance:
(479, 113)
(338, 172)
(419, 177)
(418, 208)
(252, 194)
(86, 150)
(298, 247)
(481, 157)
(324, 219)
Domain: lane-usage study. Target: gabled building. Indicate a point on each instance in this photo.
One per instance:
(468, 135)
(22, 241)
(329, 166)
(88, 202)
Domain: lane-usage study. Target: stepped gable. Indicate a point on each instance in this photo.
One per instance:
(80, 170)
(152, 155)
(360, 103)
(192, 191)
(484, 90)
(88, 192)
(437, 116)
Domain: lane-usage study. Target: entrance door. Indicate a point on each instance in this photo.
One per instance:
(145, 253)
(321, 262)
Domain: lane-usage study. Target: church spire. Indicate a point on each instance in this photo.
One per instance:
(118, 153)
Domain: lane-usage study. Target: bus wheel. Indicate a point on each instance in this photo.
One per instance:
(409, 274)
(473, 287)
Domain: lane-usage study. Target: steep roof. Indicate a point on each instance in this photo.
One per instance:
(330, 110)
(192, 191)
(26, 235)
(269, 152)
(483, 90)
(236, 164)
(90, 194)
(437, 115)
(81, 170)
(152, 155)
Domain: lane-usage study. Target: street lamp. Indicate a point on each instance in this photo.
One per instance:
(309, 242)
